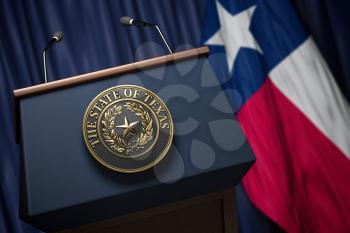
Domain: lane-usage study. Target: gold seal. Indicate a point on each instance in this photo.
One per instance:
(127, 128)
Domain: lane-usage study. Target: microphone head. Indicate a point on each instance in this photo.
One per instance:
(126, 20)
(57, 36)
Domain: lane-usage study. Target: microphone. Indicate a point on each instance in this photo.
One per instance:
(56, 38)
(128, 21)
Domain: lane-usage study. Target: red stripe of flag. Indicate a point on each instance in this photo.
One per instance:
(301, 179)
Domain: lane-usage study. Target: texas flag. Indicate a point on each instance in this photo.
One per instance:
(291, 110)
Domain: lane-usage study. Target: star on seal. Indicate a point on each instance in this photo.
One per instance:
(128, 127)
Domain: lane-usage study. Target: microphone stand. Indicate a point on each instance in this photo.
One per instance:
(56, 38)
(163, 38)
(44, 63)
(128, 21)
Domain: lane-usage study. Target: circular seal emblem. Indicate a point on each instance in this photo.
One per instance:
(127, 128)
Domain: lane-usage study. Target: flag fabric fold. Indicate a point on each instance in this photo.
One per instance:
(293, 114)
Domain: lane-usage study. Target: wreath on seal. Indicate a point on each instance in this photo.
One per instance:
(117, 143)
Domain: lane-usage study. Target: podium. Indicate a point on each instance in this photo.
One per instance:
(66, 189)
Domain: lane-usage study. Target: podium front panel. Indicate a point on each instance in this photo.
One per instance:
(63, 186)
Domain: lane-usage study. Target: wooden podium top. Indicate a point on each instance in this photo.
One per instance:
(19, 93)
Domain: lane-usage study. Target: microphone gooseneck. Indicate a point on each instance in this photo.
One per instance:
(56, 38)
(128, 21)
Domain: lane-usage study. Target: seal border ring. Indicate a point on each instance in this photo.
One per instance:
(123, 170)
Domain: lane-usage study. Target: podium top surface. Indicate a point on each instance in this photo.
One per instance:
(40, 88)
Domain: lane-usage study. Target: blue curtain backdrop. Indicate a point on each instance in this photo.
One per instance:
(95, 40)
(329, 23)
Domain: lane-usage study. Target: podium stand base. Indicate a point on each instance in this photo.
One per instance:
(210, 213)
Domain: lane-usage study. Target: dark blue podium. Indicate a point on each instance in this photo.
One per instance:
(63, 187)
